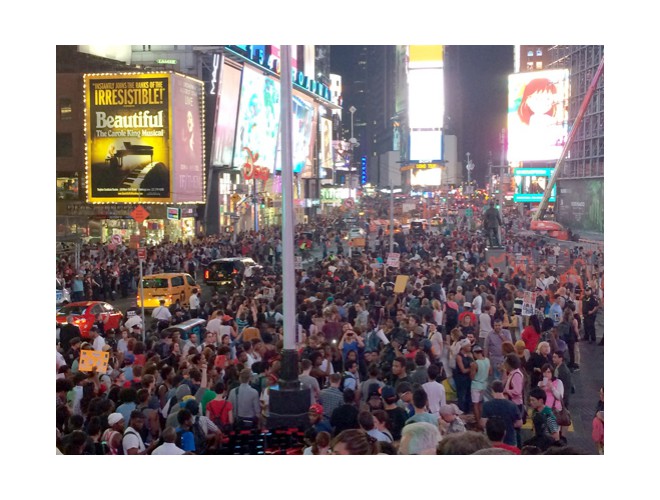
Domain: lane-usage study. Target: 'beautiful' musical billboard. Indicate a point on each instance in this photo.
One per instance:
(127, 127)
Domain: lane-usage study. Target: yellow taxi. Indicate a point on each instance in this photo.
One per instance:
(168, 287)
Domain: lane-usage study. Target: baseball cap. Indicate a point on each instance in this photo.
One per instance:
(387, 392)
(450, 409)
(113, 418)
(316, 408)
(467, 304)
(463, 342)
(476, 348)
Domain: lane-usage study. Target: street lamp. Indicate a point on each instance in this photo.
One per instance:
(470, 167)
(354, 144)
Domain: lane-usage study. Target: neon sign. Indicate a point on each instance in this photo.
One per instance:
(265, 56)
(253, 171)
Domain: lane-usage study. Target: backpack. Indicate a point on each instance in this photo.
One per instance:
(270, 318)
(217, 420)
(198, 436)
(344, 376)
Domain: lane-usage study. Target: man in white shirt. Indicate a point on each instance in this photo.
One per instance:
(132, 442)
(161, 313)
(435, 391)
(215, 323)
(477, 302)
(168, 447)
(194, 304)
(135, 319)
(97, 341)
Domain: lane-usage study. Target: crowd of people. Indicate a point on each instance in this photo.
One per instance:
(449, 364)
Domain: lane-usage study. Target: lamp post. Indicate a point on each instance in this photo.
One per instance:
(470, 167)
(354, 144)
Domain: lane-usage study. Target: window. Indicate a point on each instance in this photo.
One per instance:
(530, 53)
(530, 66)
(66, 112)
(177, 280)
(539, 52)
(64, 145)
(191, 281)
(539, 64)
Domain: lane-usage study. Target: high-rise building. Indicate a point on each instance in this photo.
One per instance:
(580, 182)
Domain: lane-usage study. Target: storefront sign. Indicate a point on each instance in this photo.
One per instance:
(267, 56)
(173, 213)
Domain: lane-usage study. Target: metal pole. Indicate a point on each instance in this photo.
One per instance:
(500, 197)
(144, 324)
(255, 205)
(391, 218)
(288, 221)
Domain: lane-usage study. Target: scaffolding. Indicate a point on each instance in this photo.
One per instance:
(587, 153)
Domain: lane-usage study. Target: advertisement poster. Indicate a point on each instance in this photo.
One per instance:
(580, 204)
(537, 115)
(304, 131)
(325, 150)
(530, 184)
(258, 120)
(128, 138)
(226, 110)
(187, 144)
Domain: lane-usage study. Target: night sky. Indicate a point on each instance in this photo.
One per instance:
(484, 70)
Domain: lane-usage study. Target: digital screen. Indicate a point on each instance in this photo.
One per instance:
(258, 119)
(304, 127)
(537, 115)
(226, 110)
(325, 149)
(426, 111)
(426, 177)
(531, 184)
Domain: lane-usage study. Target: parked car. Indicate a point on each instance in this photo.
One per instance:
(84, 315)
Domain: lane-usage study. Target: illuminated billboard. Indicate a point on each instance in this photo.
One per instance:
(128, 157)
(326, 162)
(226, 110)
(136, 151)
(531, 184)
(426, 176)
(187, 140)
(258, 119)
(426, 102)
(259, 125)
(537, 115)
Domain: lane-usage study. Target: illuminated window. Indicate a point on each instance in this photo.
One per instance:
(65, 109)
(530, 65)
(530, 53)
(539, 65)
(539, 52)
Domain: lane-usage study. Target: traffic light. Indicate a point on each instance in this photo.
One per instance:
(262, 202)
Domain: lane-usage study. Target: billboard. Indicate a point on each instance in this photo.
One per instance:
(537, 115)
(129, 138)
(187, 143)
(426, 176)
(258, 119)
(326, 161)
(531, 184)
(226, 111)
(426, 102)
(580, 204)
(304, 134)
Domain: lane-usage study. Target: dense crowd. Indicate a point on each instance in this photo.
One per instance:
(448, 365)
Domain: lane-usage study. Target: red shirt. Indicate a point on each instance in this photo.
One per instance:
(509, 447)
(530, 337)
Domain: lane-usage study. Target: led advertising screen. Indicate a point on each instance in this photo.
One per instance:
(425, 113)
(258, 119)
(226, 110)
(426, 177)
(326, 161)
(304, 127)
(531, 184)
(127, 131)
(537, 115)
(187, 144)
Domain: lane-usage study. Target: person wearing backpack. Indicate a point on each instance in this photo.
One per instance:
(219, 410)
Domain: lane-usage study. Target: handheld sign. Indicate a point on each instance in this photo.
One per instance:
(90, 359)
(400, 284)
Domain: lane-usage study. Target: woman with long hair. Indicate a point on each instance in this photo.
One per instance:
(354, 442)
(537, 359)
